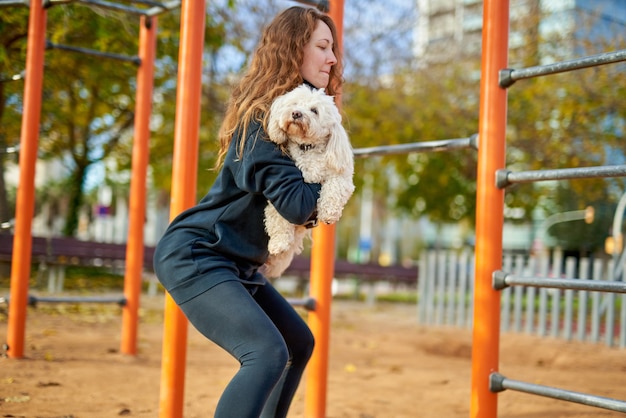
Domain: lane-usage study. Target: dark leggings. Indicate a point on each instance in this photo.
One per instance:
(266, 335)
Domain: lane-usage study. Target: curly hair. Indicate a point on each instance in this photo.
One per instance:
(275, 70)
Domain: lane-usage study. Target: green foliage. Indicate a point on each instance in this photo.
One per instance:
(424, 105)
(566, 120)
(570, 120)
(12, 43)
(88, 101)
(560, 121)
(81, 279)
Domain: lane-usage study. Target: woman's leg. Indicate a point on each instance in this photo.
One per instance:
(230, 317)
(299, 341)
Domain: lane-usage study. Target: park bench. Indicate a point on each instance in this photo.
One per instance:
(53, 255)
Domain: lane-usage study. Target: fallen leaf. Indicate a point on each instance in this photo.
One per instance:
(17, 399)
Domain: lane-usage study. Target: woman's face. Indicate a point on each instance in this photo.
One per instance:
(318, 56)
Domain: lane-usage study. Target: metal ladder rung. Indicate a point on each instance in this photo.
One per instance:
(307, 303)
(499, 383)
(505, 178)
(502, 280)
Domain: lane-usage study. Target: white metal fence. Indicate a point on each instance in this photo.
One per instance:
(445, 289)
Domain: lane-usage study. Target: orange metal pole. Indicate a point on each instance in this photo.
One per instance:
(25, 203)
(184, 179)
(137, 200)
(489, 207)
(322, 272)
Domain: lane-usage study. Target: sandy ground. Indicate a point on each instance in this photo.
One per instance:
(382, 365)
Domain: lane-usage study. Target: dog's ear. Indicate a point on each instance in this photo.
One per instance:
(339, 153)
(274, 132)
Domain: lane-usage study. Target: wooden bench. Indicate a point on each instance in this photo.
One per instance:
(53, 255)
(71, 251)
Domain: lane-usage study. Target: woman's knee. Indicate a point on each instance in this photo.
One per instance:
(270, 356)
(302, 348)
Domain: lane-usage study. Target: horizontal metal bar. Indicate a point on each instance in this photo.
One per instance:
(499, 383)
(509, 76)
(147, 3)
(165, 7)
(49, 3)
(10, 150)
(114, 6)
(34, 300)
(321, 5)
(9, 3)
(501, 280)
(427, 146)
(154, 7)
(134, 59)
(307, 303)
(505, 178)
(15, 77)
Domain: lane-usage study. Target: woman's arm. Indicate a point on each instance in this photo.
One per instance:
(266, 170)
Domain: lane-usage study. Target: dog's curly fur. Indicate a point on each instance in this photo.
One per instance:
(306, 123)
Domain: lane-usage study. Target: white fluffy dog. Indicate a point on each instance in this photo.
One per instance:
(307, 125)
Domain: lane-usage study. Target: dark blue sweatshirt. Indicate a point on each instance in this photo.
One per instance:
(223, 237)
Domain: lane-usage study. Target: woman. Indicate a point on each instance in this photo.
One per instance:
(209, 255)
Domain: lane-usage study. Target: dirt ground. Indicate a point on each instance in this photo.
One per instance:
(383, 364)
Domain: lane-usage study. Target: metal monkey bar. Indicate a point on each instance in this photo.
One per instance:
(505, 178)
(509, 76)
(153, 8)
(499, 383)
(427, 146)
(321, 5)
(502, 280)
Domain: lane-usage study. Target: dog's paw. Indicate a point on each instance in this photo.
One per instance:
(329, 215)
(275, 265)
(270, 271)
(279, 244)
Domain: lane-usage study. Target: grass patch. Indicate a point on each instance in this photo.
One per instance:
(80, 279)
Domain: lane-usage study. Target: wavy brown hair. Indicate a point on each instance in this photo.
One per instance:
(275, 70)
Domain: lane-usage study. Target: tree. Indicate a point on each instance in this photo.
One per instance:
(566, 120)
(573, 119)
(88, 106)
(13, 32)
(88, 102)
(421, 105)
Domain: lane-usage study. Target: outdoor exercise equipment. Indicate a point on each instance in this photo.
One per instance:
(183, 197)
(183, 194)
(492, 179)
(22, 244)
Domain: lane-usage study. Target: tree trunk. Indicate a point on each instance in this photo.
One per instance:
(75, 201)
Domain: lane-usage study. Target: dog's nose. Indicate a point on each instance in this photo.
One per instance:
(295, 115)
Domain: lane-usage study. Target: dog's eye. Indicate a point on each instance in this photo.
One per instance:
(314, 110)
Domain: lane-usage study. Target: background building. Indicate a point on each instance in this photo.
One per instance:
(451, 29)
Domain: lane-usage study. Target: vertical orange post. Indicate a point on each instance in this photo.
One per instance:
(184, 180)
(137, 200)
(489, 207)
(322, 271)
(25, 203)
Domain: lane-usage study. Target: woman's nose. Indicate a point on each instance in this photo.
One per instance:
(332, 59)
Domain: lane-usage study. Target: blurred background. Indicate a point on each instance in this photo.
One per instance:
(412, 72)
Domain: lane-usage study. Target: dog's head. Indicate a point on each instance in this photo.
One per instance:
(309, 117)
